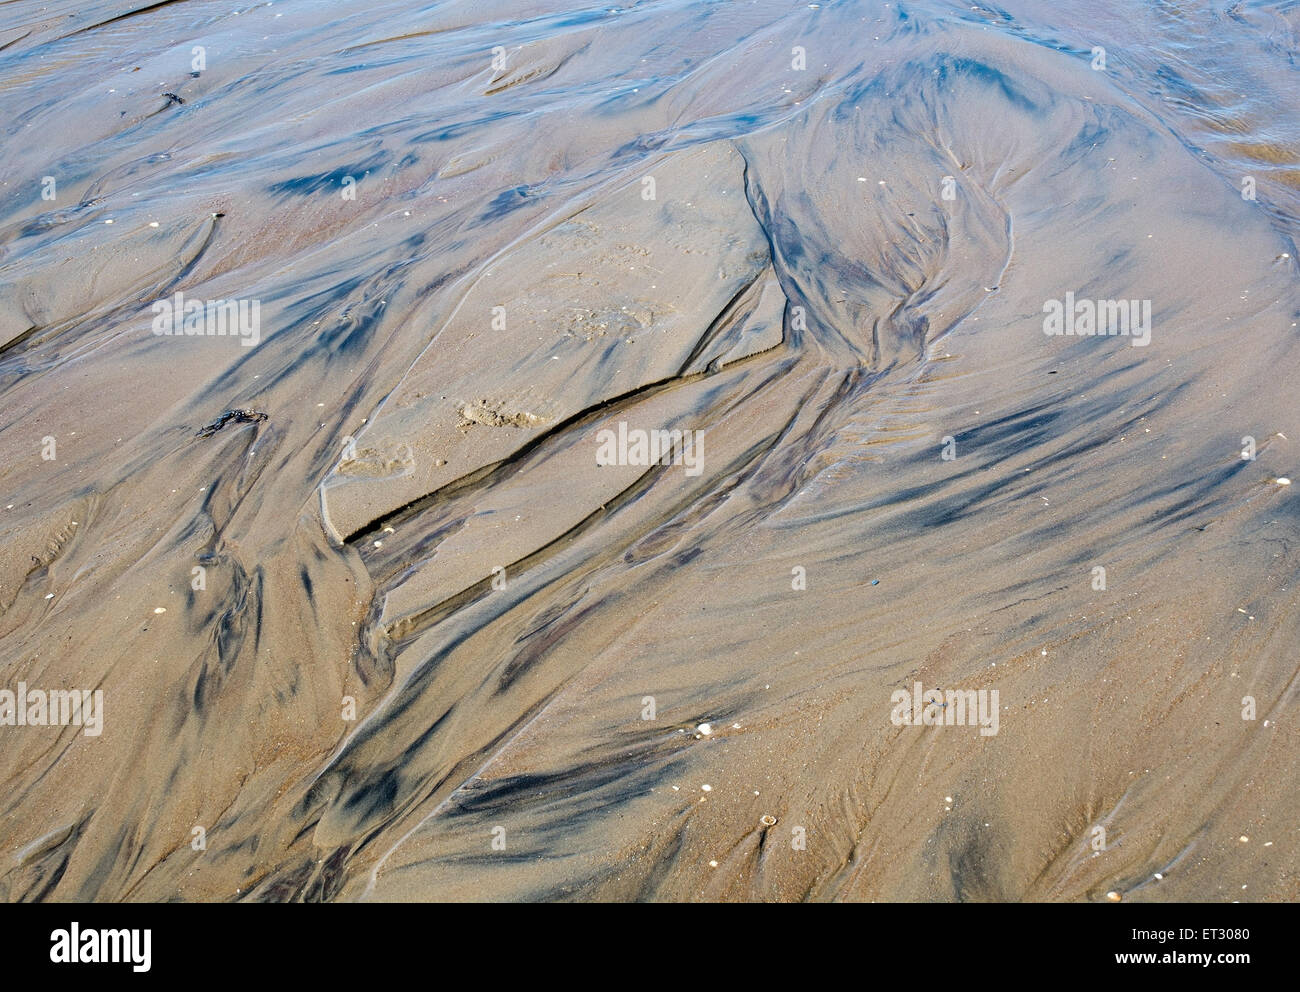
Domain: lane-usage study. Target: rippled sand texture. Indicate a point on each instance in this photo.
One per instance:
(438, 354)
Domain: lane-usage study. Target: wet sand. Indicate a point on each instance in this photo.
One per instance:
(375, 619)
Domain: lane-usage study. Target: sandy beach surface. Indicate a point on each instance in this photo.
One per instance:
(333, 341)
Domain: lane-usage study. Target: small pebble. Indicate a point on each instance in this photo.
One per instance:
(1113, 896)
(705, 729)
(1284, 481)
(768, 820)
(706, 788)
(160, 609)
